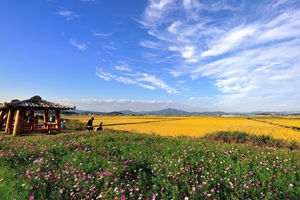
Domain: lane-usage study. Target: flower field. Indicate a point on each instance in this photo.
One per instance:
(123, 165)
(199, 126)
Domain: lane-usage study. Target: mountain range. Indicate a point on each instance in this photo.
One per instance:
(171, 111)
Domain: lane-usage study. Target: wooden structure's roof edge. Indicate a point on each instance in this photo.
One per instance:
(35, 102)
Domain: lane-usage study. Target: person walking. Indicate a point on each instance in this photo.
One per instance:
(89, 125)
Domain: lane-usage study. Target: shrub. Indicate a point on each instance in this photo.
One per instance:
(75, 125)
(259, 140)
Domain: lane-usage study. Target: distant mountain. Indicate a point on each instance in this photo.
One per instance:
(87, 112)
(115, 113)
(171, 111)
(168, 111)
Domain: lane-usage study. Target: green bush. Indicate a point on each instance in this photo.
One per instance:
(75, 125)
(259, 140)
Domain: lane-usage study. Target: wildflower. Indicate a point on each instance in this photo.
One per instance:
(291, 185)
(100, 196)
(153, 196)
(274, 176)
(31, 197)
(186, 198)
(122, 197)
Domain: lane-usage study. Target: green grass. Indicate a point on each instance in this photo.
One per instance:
(124, 165)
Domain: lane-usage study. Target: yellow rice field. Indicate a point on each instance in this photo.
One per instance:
(286, 121)
(197, 126)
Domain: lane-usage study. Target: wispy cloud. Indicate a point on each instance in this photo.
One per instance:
(200, 98)
(80, 46)
(123, 67)
(246, 50)
(144, 80)
(110, 46)
(108, 105)
(69, 15)
(116, 101)
(98, 34)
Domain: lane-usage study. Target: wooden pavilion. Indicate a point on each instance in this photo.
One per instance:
(18, 116)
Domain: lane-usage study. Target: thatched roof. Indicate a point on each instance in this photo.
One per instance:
(35, 102)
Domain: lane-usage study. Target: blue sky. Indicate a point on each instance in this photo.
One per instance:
(149, 55)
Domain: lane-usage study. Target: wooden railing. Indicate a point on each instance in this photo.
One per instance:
(47, 126)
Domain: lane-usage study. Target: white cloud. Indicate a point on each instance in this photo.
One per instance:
(200, 98)
(156, 11)
(101, 34)
(278, 3)
(155, 82)
(80, 46)
(140, 79)
(108, 105)
(150, 44)
(230, 41)
(69, 15)
(247, 52)
(123, 67)
(104, 75)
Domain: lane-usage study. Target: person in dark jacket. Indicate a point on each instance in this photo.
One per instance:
(89, 125)
(100, 127)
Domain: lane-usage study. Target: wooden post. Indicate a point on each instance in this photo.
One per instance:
(32, 114)
(57, 120)
(18, 122)
(9, 122)
(45, 115)
(1, 118)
